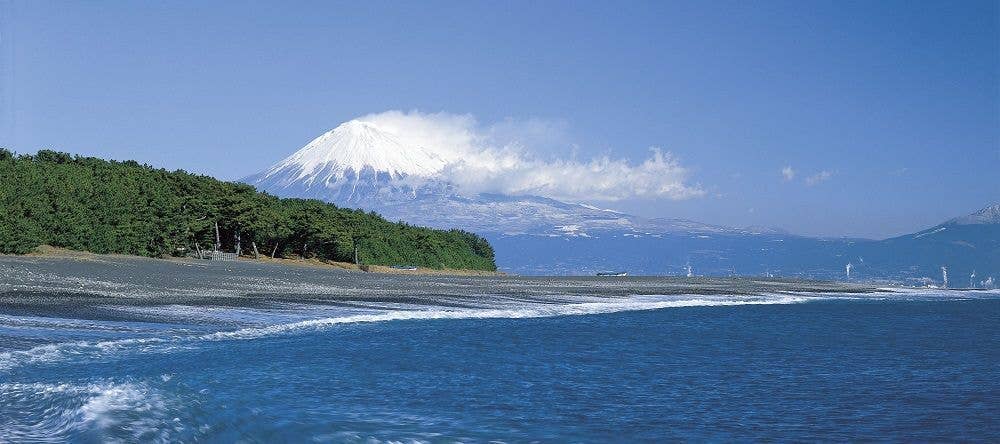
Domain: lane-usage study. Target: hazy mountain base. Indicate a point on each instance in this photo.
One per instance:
(965, 250)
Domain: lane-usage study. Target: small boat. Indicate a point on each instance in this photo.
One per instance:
(404, 267)
(613, 273)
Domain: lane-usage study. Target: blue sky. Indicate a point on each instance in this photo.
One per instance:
(827, 118)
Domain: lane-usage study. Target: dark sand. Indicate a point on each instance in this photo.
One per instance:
(35, 282)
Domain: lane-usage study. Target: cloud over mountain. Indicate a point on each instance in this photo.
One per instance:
(510, 157)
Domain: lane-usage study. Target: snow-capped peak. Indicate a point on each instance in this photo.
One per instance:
(988, 215)
(354, 148)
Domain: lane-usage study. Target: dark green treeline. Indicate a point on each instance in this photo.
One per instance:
(90, 204)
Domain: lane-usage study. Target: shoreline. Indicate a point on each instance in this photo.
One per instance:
(70, 280)
(59, 253)
(48, 251)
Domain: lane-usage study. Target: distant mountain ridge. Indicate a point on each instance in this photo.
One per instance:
(970, 252)
(360, 165)
(987, 215)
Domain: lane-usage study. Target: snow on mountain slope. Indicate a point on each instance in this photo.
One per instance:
(985, 216)
(360, 165)
(350, 163)
(971, 224)
(353, 147)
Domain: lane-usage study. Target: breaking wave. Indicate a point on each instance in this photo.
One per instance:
(638, 303)
(102, 411)
(97, 350)
(106, 380)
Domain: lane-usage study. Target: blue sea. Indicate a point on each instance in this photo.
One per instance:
(911, 366)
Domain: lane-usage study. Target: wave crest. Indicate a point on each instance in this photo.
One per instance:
(101, 411)
(278, 325)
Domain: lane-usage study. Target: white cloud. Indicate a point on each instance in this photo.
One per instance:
(821, 176)
(788, 173)
(516, 157)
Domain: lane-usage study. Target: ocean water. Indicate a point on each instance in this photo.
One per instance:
(911, 366)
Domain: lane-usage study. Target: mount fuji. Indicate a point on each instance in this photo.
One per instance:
(360, 165)
(353, 165)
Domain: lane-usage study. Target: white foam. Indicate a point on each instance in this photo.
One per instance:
(42, 412)
(637, 303)
(276, 322)
(917, 293)
(500, 308)
(66, 350)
